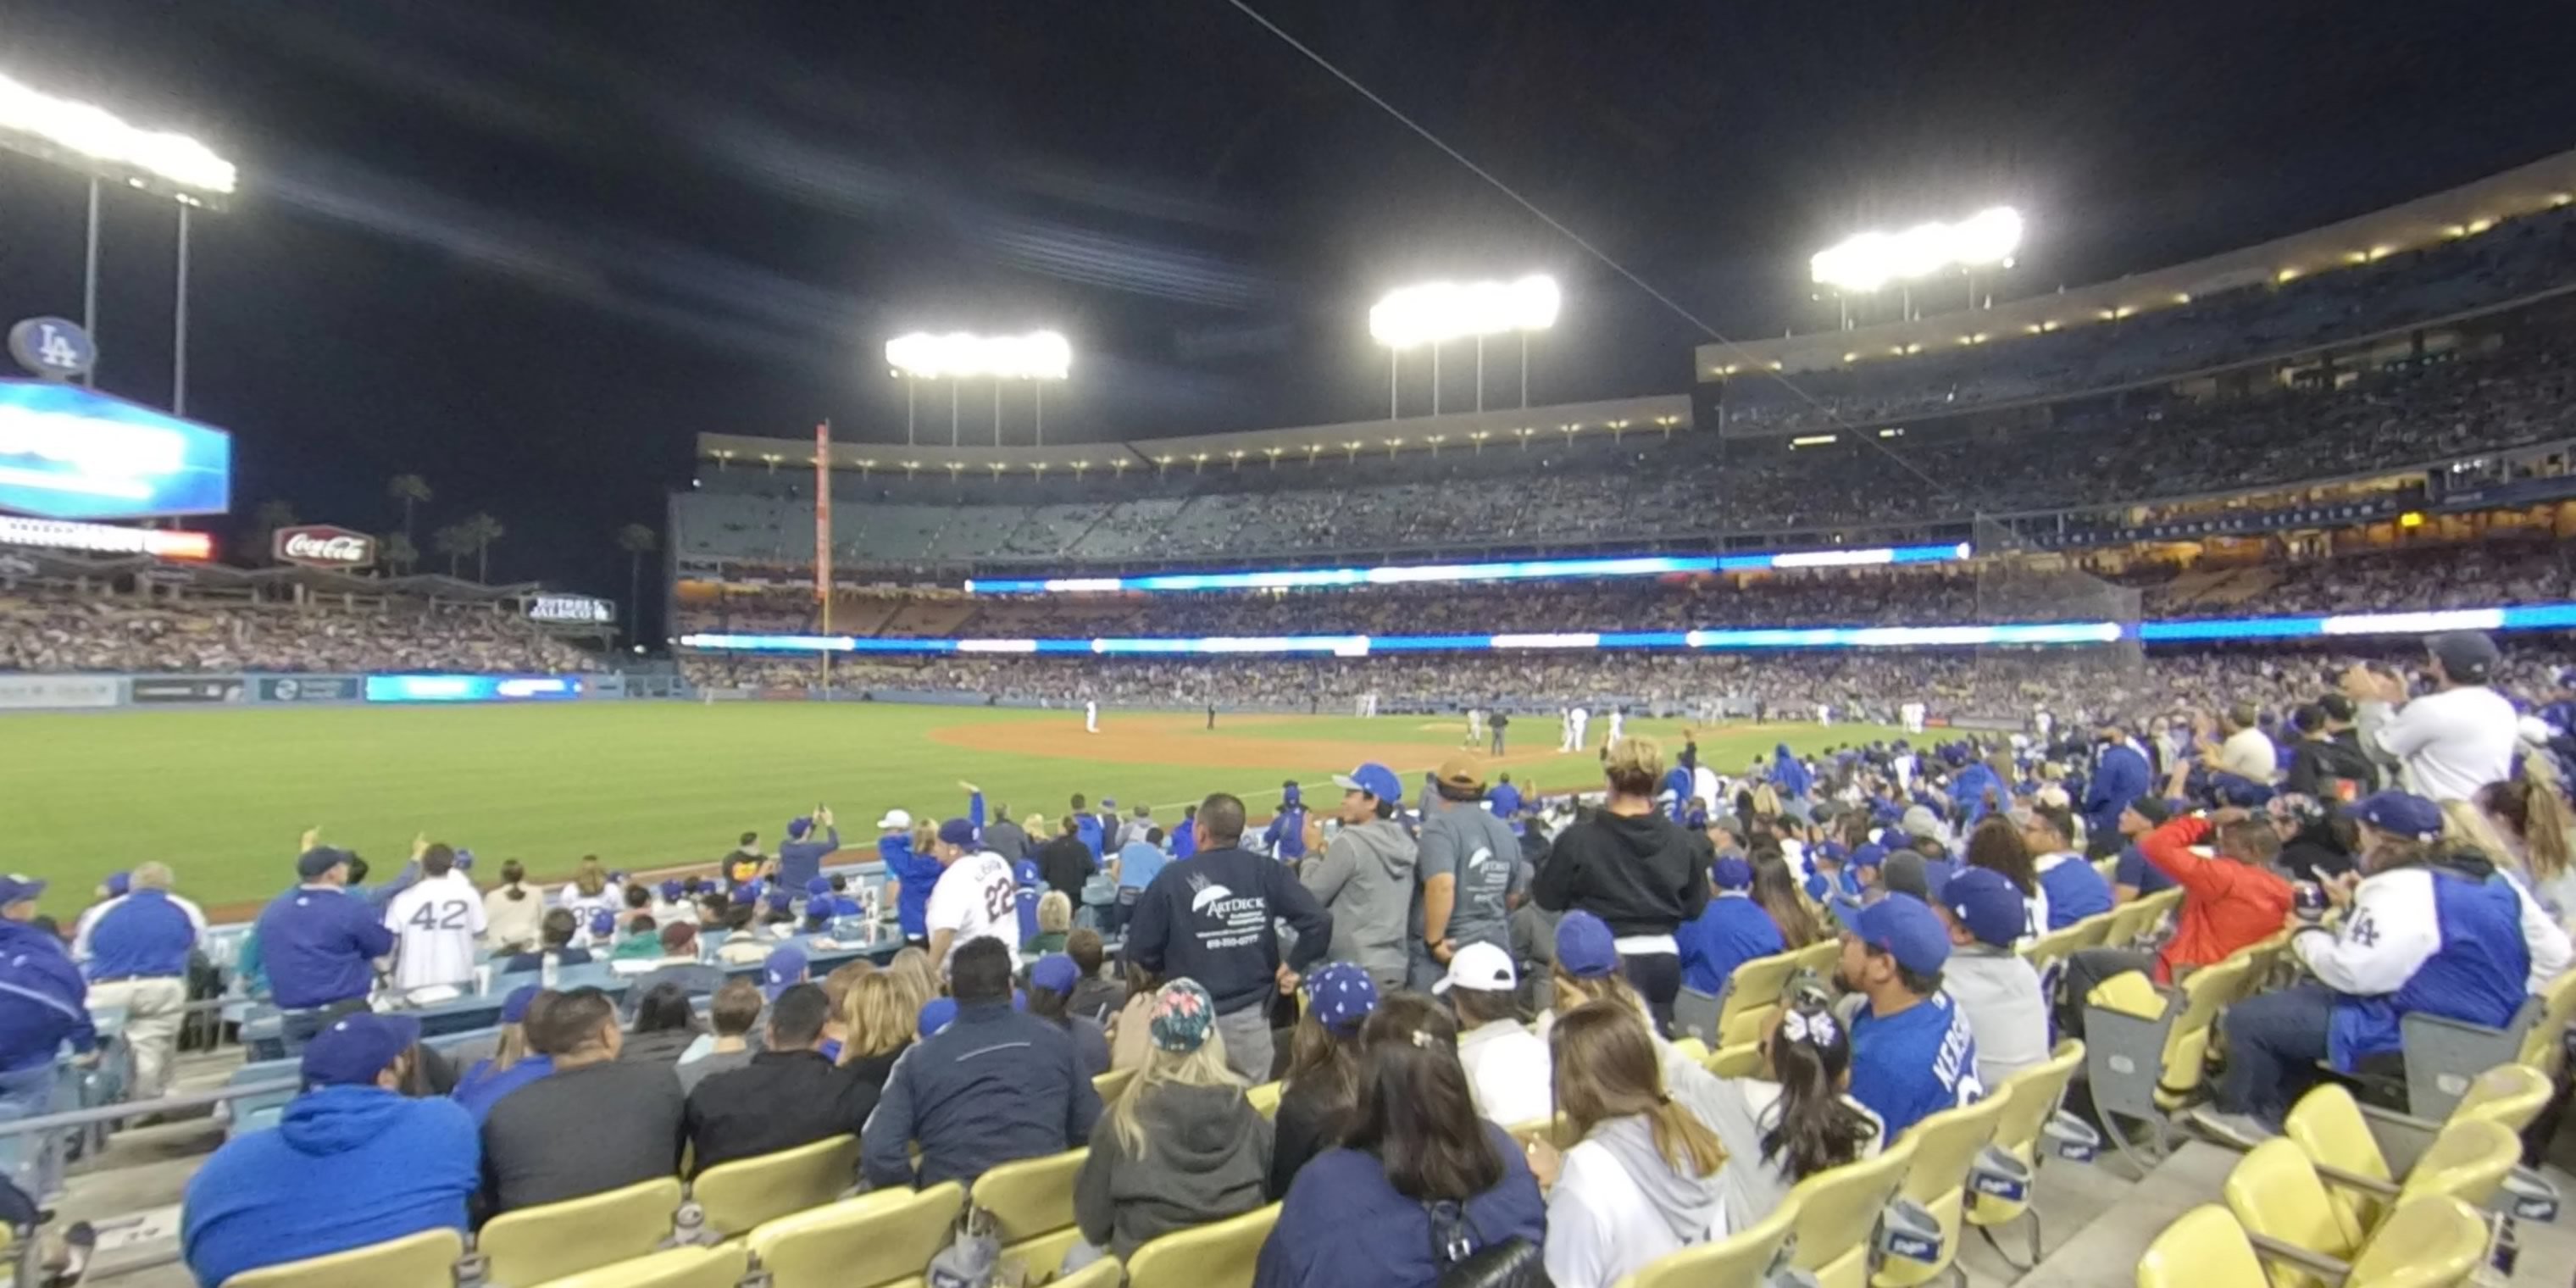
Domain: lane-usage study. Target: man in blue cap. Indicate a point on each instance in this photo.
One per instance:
(320, 946)
(809, 841)
(1913, 1054)
(1731, 931)
(976, 895)
(352, 1162)
(786, 968)
(1365, 878)
(43, 1004)
(1994, 986)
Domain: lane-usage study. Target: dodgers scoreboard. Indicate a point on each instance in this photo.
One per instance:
(72, 453)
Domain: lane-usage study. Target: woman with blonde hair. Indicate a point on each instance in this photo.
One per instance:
(1181, 1146)
(911, 968)
(1635, 869)
(877, 1024)
(591, 891)
(2535, 826)
(1055, 922)
(1641, 1182)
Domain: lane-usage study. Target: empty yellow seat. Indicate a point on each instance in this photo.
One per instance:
(1945, 1146)
(1838, 1214)
(2545, 1048)
(1032, 1202)
(1221, 1255)
(423, 1260)
(2468, 1160)
(1743, 1060)
(1111, 1083)
(884, 1237)
(741, 1194)
(2426, 1243)
(1736, 1261)
(675, 1268)
(1752, 994)
(2031, 1098)
(1104, 1273)
(2203, 1248)
(536, 1244)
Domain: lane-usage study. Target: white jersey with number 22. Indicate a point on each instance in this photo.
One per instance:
(977, 897)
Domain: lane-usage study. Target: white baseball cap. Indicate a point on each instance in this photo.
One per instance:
(1485, 968)
(895, 820)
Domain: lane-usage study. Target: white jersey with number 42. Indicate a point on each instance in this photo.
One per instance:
(977, 897)
(436, 924)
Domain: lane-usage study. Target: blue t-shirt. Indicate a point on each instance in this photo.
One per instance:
(2075, 891)
(1026, 900)
(1734, 930)
(1911, 1065)
(1137, 865)
(2134, 870)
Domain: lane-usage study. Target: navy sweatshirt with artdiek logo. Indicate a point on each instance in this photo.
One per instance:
(1209, 917)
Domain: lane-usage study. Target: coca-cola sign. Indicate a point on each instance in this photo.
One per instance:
(321, 545)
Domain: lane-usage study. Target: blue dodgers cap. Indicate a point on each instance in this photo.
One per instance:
(603, 922)
(1869, 856)
(1585, 947)
(118, 883)
(784, 969)
(747, 892)
(1905, 929)
(2401, 813)
(1055, 973)
(672, 890)
(1731, 873)
(819, 887)
(1984, 902)
(19, 889)
(936, 1014)
(798, 827)
(356, 1048)
(781, 899)
(1375, 779)
(1026, 873)
(1340, 995)
(514, 1008)
(1832, 852)
(2239, 791)
(957, 831)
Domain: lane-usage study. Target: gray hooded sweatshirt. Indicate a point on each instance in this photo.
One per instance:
(1207, 1157)
(1618, 1207)
(1365, 879)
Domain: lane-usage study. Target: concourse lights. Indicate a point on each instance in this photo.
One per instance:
(1870, 261)
(1039, 355)
(1435, 313)
(62, 127)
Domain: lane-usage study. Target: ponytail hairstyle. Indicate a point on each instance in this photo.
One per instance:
(2535, 816)
(1606, 1068)
(1810, 1056)
(2465, 827)
(514, 876)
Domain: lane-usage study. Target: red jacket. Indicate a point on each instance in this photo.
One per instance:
(2226, 905)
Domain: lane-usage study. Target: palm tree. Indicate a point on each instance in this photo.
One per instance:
(454, 542)
(411, 490)
(637, 541)
(267, 519)
(482, 530)
(399, 553)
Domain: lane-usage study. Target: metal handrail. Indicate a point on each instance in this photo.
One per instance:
(137, 1108)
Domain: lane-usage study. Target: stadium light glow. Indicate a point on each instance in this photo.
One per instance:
(1517, 570)
(61, 128)
(1869, 261)
(957, 355)
(1438, 312)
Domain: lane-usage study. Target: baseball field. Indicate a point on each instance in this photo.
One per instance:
(222, 795)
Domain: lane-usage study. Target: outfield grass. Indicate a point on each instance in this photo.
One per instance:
(223, 794)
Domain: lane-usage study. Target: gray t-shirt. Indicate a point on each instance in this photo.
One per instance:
(693, 1072)
(1463, 839)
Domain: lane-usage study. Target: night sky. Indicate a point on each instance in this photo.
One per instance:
(529, 249)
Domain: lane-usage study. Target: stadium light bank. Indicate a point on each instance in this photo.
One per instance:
(1869, 262)
(108, 149)
(1436, 313)
(1037, 357)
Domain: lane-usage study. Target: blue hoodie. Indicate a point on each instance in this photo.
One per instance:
(914, 874)
(1971, 788)
(345, 1167)
(43, 1000)
(1087, 826)
(1342, 1224)
(1789, 774)
(1286, 837)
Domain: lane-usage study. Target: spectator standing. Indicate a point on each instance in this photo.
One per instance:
(1913, 1054)
(1419, 1182)
(910, 874)
(1001, 835)
(1994, 986)
(595, 1124)
(2120, 775)
(1212, 918)
(1507, 1068)
(1469, 867)
(975, 896)
(1135, 868)
(1065, 863)
(1642, 1181)
(513, 914)
(1729, 932)
(1364, 877)
(436, 922)
(786, 1096)
(1181, 1146)
(1051, 984)
(1504, 800)
(44, 1004)
(2246, 751)
(1185, 838)
(1135, 828)
(1637, 870)
(136, 952)
(993, 1086)
(731, 1016)
(746, 864)
(2452, 741)
(810, 840)
(1320, 1091)
(2323, 766)
(1088, 826)
(352, 1162)
(1285, 838)
(319, 946)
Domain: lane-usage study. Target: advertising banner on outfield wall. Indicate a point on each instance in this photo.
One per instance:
(186, 688)
(55, 692)
(309, 688)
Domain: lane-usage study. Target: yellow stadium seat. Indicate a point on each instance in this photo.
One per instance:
(2426, 1243)
(1222, 1255)
(423, 1260)
(2509, 1094)
(1838, 1213)
(2327, 1124)
(1032, 1201)
(2128, 921)
(2031, 1098)
(1821, 956)
(1104, 1273)
(1111, 1083)
(2275, 1193)
(2468, 1162)
(1265, 1099)
(675, 1268)
(741, 1194)
(886, 1237)
(1752, 994)
(2147, 1049)
(2109, 868)
(1945, 1146)
(1737, 1261)
(1692, 1049)
(1743, 1060)
(2468, 1159)
(2203, 1248)
(1552, 1130)
(535, 1244)
(2544, 1048)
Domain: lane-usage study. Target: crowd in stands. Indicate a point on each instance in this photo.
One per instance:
(67, 629)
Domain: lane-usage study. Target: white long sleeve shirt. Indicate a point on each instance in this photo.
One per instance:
(2449, 744)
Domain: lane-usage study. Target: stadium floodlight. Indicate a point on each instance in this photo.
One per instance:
(1039, 355)
(1870, 261)
(62, 129)
(1435, 313)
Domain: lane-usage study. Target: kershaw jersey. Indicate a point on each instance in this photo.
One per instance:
(977, 898)
(436, 924)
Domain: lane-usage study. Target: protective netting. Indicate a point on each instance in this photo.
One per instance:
(2021, 583)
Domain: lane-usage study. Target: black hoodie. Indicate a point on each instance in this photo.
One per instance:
(1644, 874)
